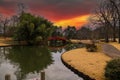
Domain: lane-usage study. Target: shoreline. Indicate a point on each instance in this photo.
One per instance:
(80, 74)
(6, 42)
(10, 44)
(86, 69)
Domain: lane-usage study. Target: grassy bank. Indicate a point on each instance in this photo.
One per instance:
(115, 44)
(6, 41)
(89, 63)
(9, 42)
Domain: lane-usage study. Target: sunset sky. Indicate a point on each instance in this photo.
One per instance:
(60, 12)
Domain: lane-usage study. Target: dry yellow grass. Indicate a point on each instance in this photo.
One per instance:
(7, 41)
(82, 41)
(90, 63)
(75, 41)
(4, 41)
(115, 44)
(99, 46)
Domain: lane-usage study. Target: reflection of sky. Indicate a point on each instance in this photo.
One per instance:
(7, 68)
(56, 71)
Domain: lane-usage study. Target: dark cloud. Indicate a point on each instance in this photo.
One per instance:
(63, 8)
(7, 4)
(53, 9)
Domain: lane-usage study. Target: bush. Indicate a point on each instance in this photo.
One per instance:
(91, 47)
(112, 70)
(38, 40)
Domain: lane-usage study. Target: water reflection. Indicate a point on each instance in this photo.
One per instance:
(73, 46)
(28, 59)
(25, 63)
(66, 47)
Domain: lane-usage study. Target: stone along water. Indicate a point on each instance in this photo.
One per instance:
(26, 62)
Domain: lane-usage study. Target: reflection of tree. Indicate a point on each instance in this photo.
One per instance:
(73, 46)
(1, 55)
(3, 50)
(56, 49)
(29, 59)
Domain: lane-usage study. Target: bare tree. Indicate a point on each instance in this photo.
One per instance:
(84, 33)
(14, 20)
(4, 21)
(116, 5)
(0, 23)
(5, 25)
(21, 8)
(106, 17)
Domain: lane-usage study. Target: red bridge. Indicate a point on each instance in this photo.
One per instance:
(57, 38)
(57, 41)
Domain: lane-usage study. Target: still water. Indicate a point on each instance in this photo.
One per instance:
(26, 62)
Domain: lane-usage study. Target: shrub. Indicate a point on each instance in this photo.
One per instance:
(38, 40)
(91, 47)
(31, 29)
(112, 70)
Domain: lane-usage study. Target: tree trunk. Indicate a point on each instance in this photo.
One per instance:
(114, 35)
(106, 34)
(4, 29)
(106, 38)
(119, 32)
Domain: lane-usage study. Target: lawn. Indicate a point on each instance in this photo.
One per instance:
(115, 44)
(89, 63)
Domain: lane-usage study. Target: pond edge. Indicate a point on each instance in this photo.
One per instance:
(80, 74)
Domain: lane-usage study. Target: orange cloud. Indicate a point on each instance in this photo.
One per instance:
(77, 21)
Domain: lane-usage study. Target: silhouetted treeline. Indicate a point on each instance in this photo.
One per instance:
(106, 18)
(82, 33)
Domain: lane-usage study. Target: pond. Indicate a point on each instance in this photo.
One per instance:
(26, 62)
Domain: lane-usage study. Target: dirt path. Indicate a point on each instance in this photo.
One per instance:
(110, 50)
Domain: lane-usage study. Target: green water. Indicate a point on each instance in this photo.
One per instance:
(26, 62)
